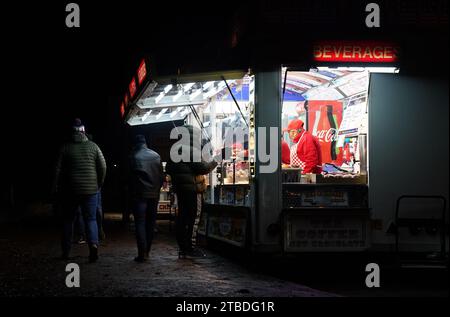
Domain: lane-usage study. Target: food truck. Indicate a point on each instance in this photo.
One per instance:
(351, 97)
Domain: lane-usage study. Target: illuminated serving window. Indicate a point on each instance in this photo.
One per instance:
(332, 103)
(220, 106)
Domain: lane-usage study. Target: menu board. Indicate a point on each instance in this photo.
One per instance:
(352, 119)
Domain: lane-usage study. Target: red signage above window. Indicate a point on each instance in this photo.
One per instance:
(132, 87)
(122, 109)
(359, 52)
(142, 72)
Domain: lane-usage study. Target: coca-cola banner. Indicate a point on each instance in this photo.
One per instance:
(324, 119)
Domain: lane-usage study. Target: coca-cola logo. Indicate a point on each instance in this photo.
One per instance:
(328, 135)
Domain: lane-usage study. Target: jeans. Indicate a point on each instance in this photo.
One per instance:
(145, 211)
(184, 225)
(79, 219)
(88, 205)
(79, 223)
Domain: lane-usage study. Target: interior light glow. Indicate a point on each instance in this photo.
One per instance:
(145, 116)
(195, 94)
(386, 70)
(178, 95)
(174, 113)
(161, 96)
(167, 89)
(163, 111)
(188, 86)
(207, 85)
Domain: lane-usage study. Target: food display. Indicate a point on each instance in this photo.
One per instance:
(236, 172)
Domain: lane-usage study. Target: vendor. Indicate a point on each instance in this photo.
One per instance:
(285, 153)
(306, 152)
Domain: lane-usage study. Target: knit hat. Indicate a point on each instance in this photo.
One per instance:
(295, 124)
(78, 126)
(139, 139)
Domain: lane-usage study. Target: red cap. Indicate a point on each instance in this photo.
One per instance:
(295, 124)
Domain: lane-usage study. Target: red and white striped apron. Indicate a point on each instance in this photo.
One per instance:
(295, 160)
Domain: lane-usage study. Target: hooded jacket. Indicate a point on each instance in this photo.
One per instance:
(80, 167)
(309, 152)
(184, 174)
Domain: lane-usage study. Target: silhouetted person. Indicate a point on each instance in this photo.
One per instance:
(79, 219)
(80, 172)
(187, 185)
(145, 185)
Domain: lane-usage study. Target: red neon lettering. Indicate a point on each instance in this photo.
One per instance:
(356, 50)
(367, 51)
(347, 50)
(327, 51)
(378, 52)
(317, 51)
(337, 51)
(388, 53)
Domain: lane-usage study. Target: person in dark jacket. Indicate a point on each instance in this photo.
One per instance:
(146, 181)
(186, 184)
(80, 172)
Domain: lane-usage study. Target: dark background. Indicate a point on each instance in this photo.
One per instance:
(54, 74)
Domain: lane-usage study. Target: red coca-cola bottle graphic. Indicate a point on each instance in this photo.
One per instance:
(324, 118)
(333, 132)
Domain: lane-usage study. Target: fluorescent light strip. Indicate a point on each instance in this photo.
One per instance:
(185, 112)
(168, 88)
(195, 94)
(211, 93)
(161, 96)
(163, 111)
(174, 113)
(178, 95)
(388, 70)
(188, 86)
(207, 85)
(145, 116)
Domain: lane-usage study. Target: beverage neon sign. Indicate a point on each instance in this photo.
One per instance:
(364, 51)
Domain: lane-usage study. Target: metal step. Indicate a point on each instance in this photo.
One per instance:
(437, 264)
(424, 266)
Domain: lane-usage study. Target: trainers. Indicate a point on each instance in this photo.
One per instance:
(196, 253)
(93, 254)
(182, 254)
(81, 241)
(102, 235)
(140, 259)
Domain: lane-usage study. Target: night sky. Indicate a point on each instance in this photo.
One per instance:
(55, 74)
(58, 74)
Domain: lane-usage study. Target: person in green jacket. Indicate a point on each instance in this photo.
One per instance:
(188, 183)
(80, 172)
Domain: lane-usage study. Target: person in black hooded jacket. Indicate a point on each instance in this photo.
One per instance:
(146, 181)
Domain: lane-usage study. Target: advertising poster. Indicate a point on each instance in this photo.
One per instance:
(324, 119)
